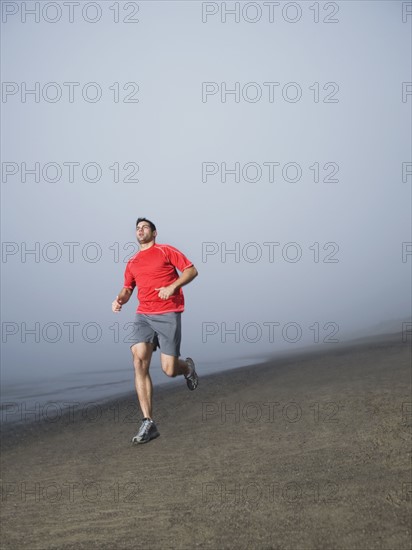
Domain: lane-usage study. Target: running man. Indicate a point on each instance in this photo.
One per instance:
(158, 317)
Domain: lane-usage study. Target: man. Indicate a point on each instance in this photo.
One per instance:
(158, 317)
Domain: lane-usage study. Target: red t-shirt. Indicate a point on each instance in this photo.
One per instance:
(153, 268)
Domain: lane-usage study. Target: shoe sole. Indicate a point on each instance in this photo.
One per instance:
(147, 440)
(197, 377)
(192, 389)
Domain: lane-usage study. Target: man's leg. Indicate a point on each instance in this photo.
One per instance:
(173, 366)
(142, 354)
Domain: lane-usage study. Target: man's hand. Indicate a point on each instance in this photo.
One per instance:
(121, 299)
(165, 292)
(116, 305)
(188, 275)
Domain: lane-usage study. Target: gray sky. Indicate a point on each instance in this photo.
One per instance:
(298, 172)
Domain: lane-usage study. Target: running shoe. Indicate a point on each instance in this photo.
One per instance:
(192, 379)
(146, 432)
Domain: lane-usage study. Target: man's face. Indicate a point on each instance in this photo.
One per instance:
(144, 233)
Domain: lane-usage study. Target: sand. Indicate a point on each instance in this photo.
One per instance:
(307, 452)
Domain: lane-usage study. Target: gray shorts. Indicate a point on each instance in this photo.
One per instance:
(163, 330)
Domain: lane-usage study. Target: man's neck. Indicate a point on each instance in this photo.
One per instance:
(144, 246)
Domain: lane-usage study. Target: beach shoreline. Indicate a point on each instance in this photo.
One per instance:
(14, 417)
(307, 451)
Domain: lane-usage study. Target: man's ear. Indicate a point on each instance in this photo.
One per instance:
(155, 233)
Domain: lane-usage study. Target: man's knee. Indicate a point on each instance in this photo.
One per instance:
(169, 366)
(141, 357)
(169, 370)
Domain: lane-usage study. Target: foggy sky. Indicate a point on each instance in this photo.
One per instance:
(284, 261)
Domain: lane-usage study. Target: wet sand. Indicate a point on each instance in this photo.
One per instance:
(306, 452)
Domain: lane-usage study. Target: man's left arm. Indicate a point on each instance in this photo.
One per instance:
(165, 292)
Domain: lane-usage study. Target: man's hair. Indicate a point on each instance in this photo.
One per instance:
(152, 225)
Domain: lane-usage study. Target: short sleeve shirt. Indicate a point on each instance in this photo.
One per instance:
(153, 268)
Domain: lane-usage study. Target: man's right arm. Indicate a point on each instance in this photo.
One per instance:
(122, 298)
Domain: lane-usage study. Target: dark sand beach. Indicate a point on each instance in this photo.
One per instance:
(311, 451)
